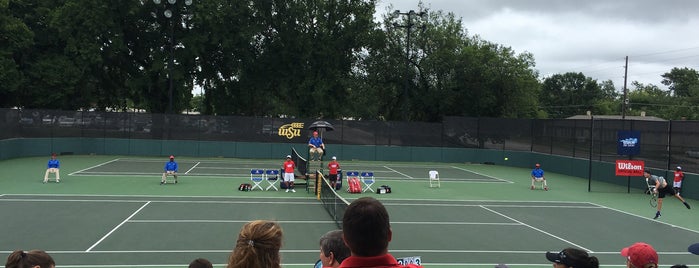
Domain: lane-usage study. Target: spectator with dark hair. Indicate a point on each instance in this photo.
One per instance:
(640, 255)
(662, 189)
(572, 257)
(258, 245)
(201, 263)
(333, 249)
(367, 231)
(30, 259)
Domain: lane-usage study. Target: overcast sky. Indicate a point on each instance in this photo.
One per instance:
(588, 36)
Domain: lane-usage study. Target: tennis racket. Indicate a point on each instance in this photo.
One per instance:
(653, 194)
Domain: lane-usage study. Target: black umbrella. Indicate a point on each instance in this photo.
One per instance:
(324, 125)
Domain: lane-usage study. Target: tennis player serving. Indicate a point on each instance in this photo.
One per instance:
(661, 188)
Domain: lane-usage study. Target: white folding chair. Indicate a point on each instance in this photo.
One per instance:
(272, 175)
(434, 179)
(368, 180)
(256, 176)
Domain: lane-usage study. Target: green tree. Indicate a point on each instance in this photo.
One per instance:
(15, 36)
(565, 95)
(683, 82)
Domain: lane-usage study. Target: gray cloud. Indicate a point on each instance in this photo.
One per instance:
(590, 36)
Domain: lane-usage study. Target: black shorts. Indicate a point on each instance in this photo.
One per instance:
(332, 177)
(667, 190)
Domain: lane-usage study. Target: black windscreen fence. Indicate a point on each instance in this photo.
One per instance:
(663, 143)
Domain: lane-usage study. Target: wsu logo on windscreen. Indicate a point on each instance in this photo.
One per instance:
(290, 130)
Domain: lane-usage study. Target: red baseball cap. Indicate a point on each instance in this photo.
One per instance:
(640, 254)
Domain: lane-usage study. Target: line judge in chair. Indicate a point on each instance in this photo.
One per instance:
(170, 170)
(316, 146)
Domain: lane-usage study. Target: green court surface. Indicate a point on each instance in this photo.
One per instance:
(111, 211)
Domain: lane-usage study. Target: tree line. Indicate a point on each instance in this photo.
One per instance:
(304, 58)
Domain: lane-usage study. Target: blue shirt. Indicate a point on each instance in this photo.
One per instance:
(171, 166)
(538, 173)
(53, 163)
(316, 141)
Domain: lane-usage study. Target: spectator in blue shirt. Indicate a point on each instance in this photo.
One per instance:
(170, 169)
(53, 167)
(538, 176)
(316, 145)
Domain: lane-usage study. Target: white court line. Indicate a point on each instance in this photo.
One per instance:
(163, 201)
(537, 229)
(113, 160)
(648, 218)
(195, 165)
(396, 171)
(117, 227)
(316, 250)
(142, 174)
(221, 221)
(463, 169)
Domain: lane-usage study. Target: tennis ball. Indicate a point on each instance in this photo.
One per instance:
(506, 158)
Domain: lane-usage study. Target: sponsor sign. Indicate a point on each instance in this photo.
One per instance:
(628, 142)
(629, 167)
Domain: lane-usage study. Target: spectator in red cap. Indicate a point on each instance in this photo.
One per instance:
(170, 170)
(640, 255)
(53, 167)
(572, 257)
(538, 176)
(317, 146)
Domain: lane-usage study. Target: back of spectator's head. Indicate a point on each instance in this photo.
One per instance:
(201, 263)
(333, 247)
(29, 259)
(640, 255)
(258, 245)
(366, 227)
(573, 257)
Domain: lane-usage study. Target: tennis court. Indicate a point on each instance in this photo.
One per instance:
(112, 212)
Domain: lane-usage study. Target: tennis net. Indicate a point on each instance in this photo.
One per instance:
(301, 163)
(333, 202)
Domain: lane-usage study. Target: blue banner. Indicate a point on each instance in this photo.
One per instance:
(628, 142)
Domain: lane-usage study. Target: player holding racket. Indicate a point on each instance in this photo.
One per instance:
(661, 188)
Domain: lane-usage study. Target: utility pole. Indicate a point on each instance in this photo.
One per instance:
(626, 91)
(409, 27)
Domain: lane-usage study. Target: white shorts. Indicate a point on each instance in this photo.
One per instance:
(288, 176)
(677, 184)
(539, 179)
